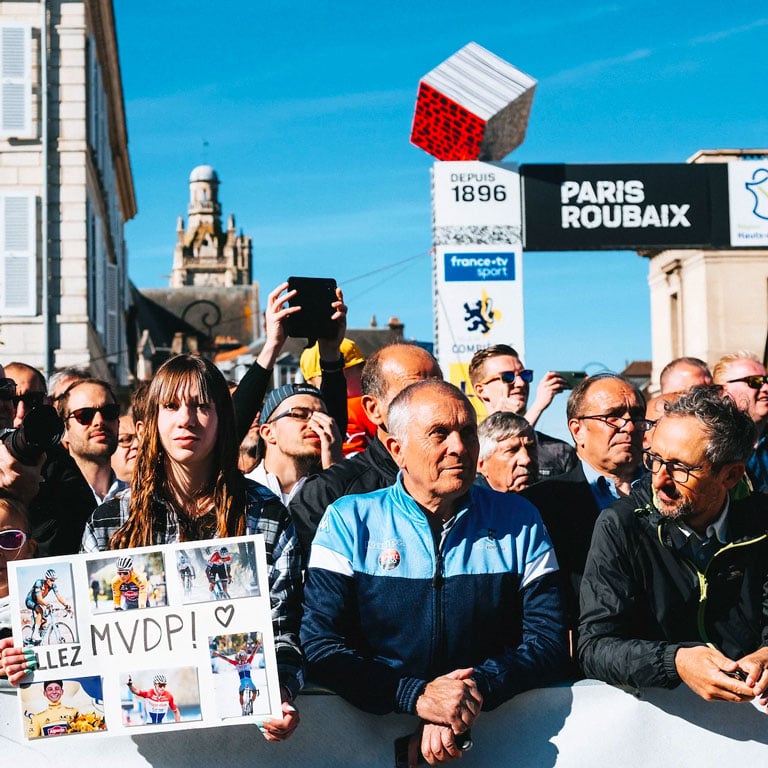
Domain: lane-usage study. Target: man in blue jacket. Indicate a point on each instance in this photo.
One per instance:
(433, 597)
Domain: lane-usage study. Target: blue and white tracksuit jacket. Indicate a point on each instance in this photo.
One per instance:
(389, 607)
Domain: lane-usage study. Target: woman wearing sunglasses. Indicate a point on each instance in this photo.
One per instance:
(15, 544)
(186, 487)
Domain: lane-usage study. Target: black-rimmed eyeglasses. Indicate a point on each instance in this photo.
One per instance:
(619, 422)
(678, 471)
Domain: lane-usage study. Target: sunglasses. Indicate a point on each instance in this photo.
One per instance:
(30, 399)
(84, 416)
(161, 685)
(12, 539)
(753, 382)
(509, 376)
(123, 573)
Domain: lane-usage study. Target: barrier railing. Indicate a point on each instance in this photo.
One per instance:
(583, 725)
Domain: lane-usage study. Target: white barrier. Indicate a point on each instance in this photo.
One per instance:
(584, 725)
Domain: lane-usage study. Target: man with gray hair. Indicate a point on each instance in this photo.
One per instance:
(675, 584)
(508, 458)
(433, 596)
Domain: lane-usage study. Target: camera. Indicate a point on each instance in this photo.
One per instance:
(40, 431)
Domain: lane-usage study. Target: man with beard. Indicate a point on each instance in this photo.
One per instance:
(297, 438)
(675, 584)
(91, 413)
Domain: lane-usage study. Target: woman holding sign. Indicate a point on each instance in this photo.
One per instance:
(186, 487)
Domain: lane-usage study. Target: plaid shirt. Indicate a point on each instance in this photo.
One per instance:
(265, 514)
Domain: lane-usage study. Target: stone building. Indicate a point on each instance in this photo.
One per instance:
(707, 303)
(206, 254)
(66, 188)
(210, 305)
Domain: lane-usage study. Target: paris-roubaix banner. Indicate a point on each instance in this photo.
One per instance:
(477, 234)
(630, 206)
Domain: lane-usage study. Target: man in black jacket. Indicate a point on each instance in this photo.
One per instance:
(675, 587)
(386, 373)
(606, 416)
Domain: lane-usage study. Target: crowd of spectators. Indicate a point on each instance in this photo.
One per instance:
(444, 566)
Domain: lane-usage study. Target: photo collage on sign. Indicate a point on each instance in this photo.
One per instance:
(175, 636)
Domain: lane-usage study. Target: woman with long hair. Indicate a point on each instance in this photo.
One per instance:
(186, 487)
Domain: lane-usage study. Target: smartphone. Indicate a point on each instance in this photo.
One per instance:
(314, 295)
(574, 378)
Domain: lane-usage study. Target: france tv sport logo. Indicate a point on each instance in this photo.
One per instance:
(472, 267)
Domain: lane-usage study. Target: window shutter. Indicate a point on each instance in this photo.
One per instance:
(15, 81)
(113, 309)
(18, 293)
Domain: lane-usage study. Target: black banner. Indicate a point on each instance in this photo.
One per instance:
(612, 207)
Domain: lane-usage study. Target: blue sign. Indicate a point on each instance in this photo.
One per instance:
(471, 267)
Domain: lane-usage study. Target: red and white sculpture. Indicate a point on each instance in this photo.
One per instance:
(473, 106)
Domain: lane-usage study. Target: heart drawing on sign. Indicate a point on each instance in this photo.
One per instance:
(224, 614)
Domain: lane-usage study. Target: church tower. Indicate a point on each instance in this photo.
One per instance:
(205, 254)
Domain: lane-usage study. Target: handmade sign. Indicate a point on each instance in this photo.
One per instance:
(146, 640)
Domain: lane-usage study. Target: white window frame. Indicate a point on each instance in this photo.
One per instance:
(18, 258)
(16, 85)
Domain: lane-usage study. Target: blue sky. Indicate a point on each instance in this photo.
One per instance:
(306, 109)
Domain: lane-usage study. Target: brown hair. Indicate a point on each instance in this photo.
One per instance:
(226, 489)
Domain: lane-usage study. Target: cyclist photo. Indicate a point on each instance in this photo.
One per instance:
(218, 571)
(235, 661)
(160, 696)
(130, 581)
(47, 617)
(59, 707)
(186, 571)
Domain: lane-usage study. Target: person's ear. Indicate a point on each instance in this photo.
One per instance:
(267, 433)
(395, 448)
(732, 474)
(575, 426)
(373, 410)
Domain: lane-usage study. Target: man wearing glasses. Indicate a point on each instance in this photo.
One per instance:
(743, 378)
(675, 581)
(502, 383)
(606, 416)
(297, 438)
(90, 412)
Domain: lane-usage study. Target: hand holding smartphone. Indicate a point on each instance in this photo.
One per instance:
(314, 295)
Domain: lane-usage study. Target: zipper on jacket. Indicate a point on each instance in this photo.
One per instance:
(438, 580)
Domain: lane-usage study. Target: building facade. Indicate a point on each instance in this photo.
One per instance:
(66, 188)
(707, 303)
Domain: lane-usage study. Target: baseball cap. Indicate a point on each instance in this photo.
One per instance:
(310, 358)
(277, 396)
